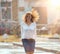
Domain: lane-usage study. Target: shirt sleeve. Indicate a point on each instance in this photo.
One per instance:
(33, 27)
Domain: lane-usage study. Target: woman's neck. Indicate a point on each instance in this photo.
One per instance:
(28, 23)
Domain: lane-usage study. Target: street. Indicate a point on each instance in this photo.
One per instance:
(41, 47)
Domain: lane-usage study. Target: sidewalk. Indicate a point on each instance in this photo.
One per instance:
(47, 44)
(20, 51)
(43, 46)
(9, 48)
(46, 47)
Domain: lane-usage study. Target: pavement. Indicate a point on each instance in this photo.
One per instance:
(43, 46)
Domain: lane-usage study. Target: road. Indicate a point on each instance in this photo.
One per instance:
(43, 46)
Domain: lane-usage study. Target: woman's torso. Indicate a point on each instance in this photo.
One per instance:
(28, 31)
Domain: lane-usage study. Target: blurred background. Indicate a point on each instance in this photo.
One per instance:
(11, 12)
(48, 25)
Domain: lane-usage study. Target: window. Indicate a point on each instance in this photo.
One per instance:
(5, 9)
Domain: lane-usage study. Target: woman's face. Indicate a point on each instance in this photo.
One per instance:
(28, 17)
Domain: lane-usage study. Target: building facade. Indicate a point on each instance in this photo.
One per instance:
(15, 9)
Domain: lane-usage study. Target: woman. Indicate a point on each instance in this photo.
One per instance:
(28, 33)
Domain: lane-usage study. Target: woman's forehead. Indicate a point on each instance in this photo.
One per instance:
(28, 14)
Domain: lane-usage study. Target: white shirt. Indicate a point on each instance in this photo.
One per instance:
(28, 32)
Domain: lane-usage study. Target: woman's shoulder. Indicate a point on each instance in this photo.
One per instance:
(34, 23)
(22, 23)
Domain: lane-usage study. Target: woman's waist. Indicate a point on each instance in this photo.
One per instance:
(28, 37)
(30, 40)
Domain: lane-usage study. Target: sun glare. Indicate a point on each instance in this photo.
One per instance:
(54, 3)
